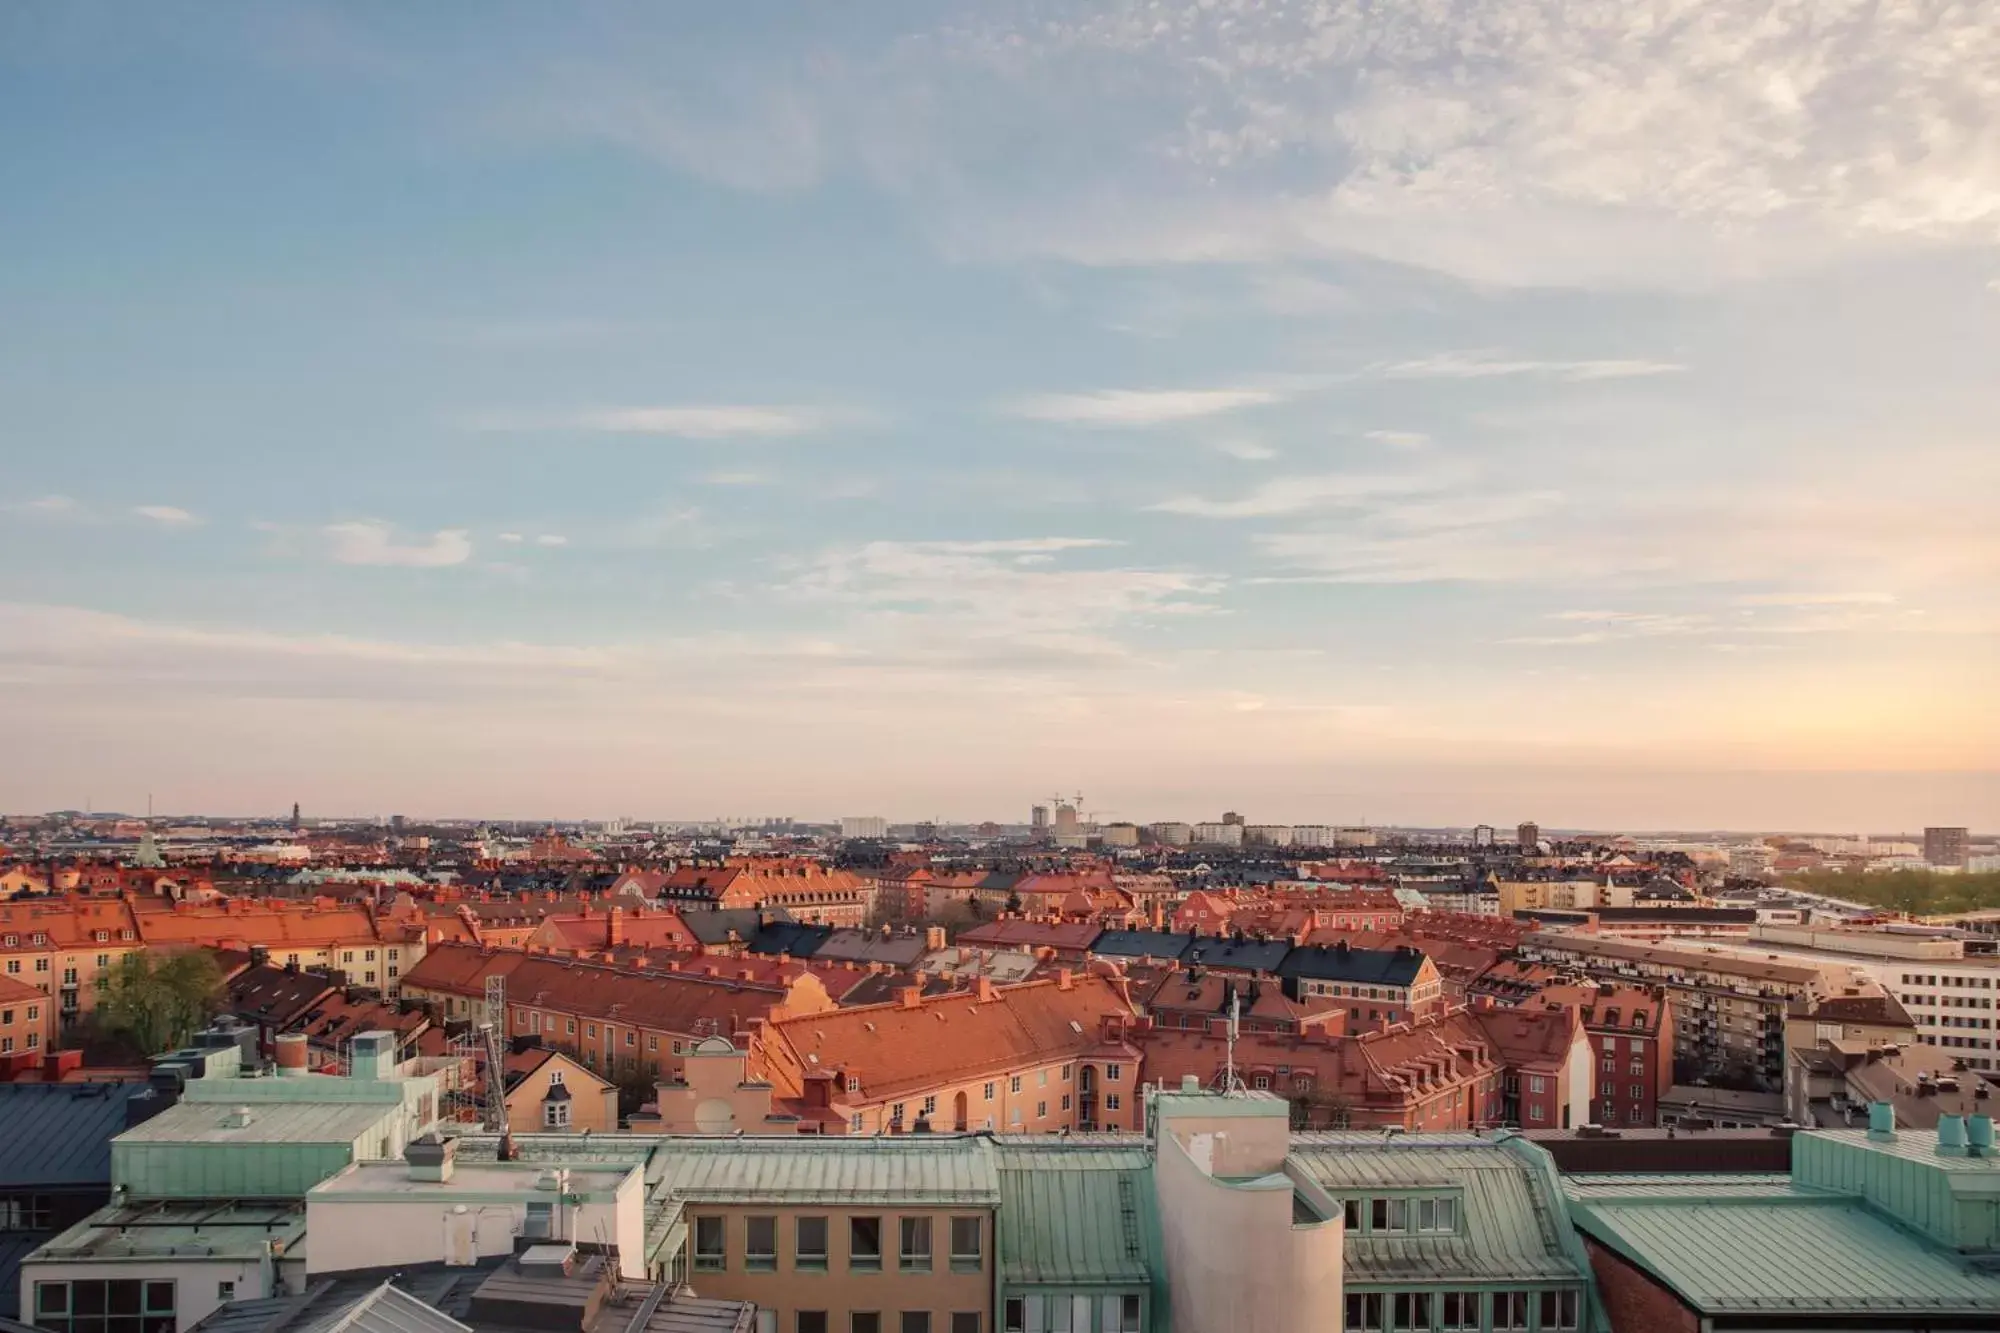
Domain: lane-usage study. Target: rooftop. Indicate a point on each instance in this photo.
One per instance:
(268, 1122)
(470, 1177)
(209, 1228)
(913, 1169)
(59, 1134)
(1077, 1214)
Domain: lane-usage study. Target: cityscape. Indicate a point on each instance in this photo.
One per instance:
(999, 666)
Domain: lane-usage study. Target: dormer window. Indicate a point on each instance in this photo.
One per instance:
(854, 1082)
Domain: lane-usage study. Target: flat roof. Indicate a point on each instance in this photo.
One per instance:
(915, 1169)
(192, 1229)
(270, 1122)
(393, 1177)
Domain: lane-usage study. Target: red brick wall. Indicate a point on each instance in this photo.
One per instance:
(1633, 1300)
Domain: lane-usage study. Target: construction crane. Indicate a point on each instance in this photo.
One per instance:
(496, 1065)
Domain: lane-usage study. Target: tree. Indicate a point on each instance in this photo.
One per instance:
(157, 1001)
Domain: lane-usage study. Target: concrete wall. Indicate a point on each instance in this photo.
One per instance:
(196, 1281)
(1234, 1258)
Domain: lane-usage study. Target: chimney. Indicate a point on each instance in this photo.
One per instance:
(1065, 979)
(614, 931)
(911, 996)
(430, 1158)
(982, 990)
(933, 938)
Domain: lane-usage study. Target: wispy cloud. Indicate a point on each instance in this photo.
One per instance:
(1468, 365)
(552, 539)
(1246, 450)
(167, 516)
(45, 506)
(712, 421)
(1816, 599)
(372, 543)
(1402, 439)
(737, 478)
(1139, 407)
(1294, 495)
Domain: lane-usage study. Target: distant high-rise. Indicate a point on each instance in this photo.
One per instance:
(295, 816)
(1067, 824)
(1946, 847)
(1231, 817)
(1482, 836)
(864, 826)
(1038, 817)
(396, 822)
(1528, 837)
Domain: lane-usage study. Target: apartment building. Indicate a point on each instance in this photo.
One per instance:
(27, 1025)
(1375, 986)
(808, 890)
(1728, 1011)
(1035, 1058)
(618, 1022)
(1632, 1044)
(320, 936)
(64, 948)
(871, 1237)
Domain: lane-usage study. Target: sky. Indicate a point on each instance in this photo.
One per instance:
(1450, 411)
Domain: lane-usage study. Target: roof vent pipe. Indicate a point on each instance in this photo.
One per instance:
(1882, 1122)
(1951, 1136)
(1979, 1135)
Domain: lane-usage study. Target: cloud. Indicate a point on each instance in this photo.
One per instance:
(1246, 451)
(167, 516)
(46, 506)
(1139, 407)
(1293, 495)
(1490, 365)
(693, 422)
(512, 538)
(737, 479)
(371, 543)
(1816, 599)
(551, 539)
(1402, 439)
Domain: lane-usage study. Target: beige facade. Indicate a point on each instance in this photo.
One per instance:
(716, 1095)
(840, 1261)
(560, 1096)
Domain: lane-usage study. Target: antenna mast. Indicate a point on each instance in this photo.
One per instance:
(1231, 1085)
(496, 1064)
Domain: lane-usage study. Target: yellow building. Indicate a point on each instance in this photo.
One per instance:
(549, 1093)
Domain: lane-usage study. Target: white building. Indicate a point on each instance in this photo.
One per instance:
(1219, 835)
(1268, 835)
(863, 826)
(433, 1208)
(1173, 834)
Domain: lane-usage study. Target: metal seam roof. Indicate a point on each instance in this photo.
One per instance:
(1082, 1217)
(947, 1171)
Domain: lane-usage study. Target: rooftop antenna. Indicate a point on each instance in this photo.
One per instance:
(1231, 1085)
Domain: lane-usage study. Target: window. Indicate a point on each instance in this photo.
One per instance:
(652, 1041)
(1510, 1311)
(1437, 1214)
(1536, 1083)
(1636, 1091)
(1065, 1072)
(929, 1107)
(809, 1245)
(103, 959)
(555, 1078)
(965, 1321)
(1351, 1214)
(865, 1321)
(916, 1321)
(915, 1255)
(1534, 1113)
(590, 1030)
(864, 1244)
(1378, 1214)
(1112, 1101)
(1459, 1312)
(1041, 1109)
(1065, 1101)
(760, 1244)
(555, 1115)
(631, 1037)
(989, 1092)
(1014, 1083)
(26, 1212)
(368, 956)
(122, 1305)
(1128, 1312)
(1113, 1072)
(1411, 1310)
(569, 1027)
(966, 1250)
(1364, 1310)
(1014, 1316)
(347, 956)
(709, 1254)
(1558, 1310)
(810, 1321)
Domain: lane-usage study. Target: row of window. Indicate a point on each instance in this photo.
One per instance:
(40, 938)
(1610, 1066)
(1609, 1115)
(1426, 1215)
(1923, 1001)
(809, 1244)
(870, 1321)
(1960, 983)
(1116, 1313)
(121, 1305)
(1462, 1311)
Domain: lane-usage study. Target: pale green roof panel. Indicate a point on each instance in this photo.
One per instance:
(1813, 1251)
(909, 1170)
(1512, 1212)
(1077, 1217)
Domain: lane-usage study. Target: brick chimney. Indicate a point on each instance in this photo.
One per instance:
(1065, 979)
(983, 991)
(911, 996)
(614, 928)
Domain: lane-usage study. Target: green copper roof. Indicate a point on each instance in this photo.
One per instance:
(915, 1169)
(1509, 1216)
(1809, 1251)
(1724, 1185)
(1953, 1200)
(1077, 1217)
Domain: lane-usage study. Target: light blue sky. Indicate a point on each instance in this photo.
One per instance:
(1479, 411)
